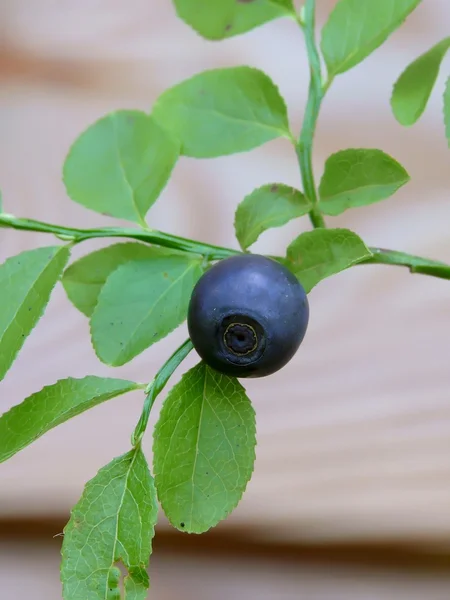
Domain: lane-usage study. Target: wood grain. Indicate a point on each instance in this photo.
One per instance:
(354, 434)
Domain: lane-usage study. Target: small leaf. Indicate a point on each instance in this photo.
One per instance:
(223, 111)
(414, 86)
(120, 165)
(219, 19)
(141, 302)
(84, 279)
(355, 28)
(269, 206)
(27, 281)
(114, 521)
(53, 405)
(447, 110)
(318, 254)
(358, 177)
(204, 449)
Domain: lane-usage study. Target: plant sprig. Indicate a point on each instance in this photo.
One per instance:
(136, 292)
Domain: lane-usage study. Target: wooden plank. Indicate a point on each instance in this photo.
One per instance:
(354, 433)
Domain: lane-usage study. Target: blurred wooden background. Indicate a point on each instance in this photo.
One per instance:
(353, 458)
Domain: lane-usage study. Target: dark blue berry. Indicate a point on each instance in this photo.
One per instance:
(247, 316)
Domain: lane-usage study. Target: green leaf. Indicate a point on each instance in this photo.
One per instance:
(355, 28)
(414, 86)
(113, 522)
(141, 302)
(53, 405)
(1, 201)
(271, 205)
(358, 177)
(223, 111)
(219, 19)
(318, 254)
(447, 110)
(84, 279)
(204, 449)
(120, 165)
(27, 281)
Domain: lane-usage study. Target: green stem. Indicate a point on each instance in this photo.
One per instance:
(150, 236)
(315, 96)
(156, 387)
(380, 256)
(415, 264)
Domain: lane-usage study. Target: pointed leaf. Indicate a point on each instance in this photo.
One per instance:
(355, 28)
(53, 405)
(141, 302)
(358, 177)
(84, 279)
(120, 165)
(318, 254)
(447, 110)
(204, 449)
(27, 280)
(223, 111)
(414, 86)
(269, 206)
(113, 522)
(219, 19)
